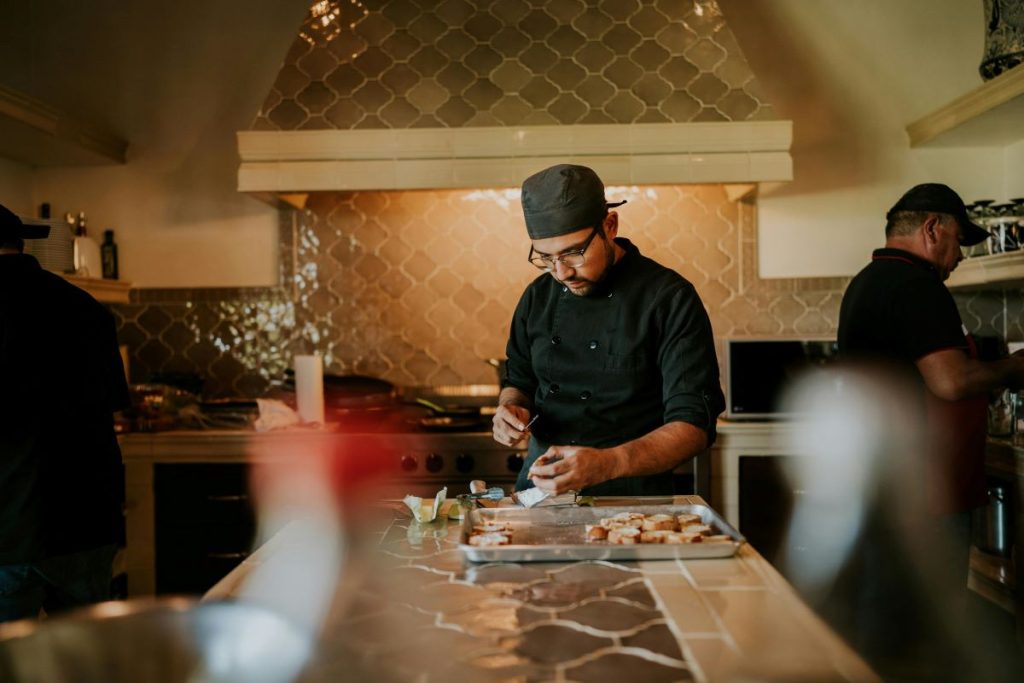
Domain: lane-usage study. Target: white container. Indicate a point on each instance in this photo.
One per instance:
(309, 388)
(87, 258)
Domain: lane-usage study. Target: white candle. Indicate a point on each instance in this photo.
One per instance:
(309, 388)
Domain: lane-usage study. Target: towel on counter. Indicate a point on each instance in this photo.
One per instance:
(274, 415)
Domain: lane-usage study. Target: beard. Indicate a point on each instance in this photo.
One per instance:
(584, 286)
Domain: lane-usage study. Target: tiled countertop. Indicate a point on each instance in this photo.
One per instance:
(421, 610)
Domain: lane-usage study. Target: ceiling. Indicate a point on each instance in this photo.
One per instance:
(134, 69)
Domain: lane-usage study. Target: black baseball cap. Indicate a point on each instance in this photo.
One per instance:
(563, 199)
(11, 226)
(939, 198)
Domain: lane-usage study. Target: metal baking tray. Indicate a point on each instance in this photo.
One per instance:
(557, 534)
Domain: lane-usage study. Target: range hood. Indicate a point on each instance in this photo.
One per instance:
(275, 162)
(410, 95)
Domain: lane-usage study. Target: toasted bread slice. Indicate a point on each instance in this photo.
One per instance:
(490, 539)
(619, 522)
(625, 535)
(655, 536)
(596, 532)
(687, 519)
(702, 529)
(659, 523)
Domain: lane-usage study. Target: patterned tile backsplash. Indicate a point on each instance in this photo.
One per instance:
(412, 64)
(419, 287)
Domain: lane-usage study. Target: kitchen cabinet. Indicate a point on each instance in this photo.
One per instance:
(204, 524)
(749, 485)
(988, 116)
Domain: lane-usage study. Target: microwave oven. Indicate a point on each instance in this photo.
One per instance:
(758, 371)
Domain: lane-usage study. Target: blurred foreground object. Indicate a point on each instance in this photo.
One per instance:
(159, 641)
(866, 548)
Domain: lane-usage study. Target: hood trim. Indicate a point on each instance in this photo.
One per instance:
(470, 157)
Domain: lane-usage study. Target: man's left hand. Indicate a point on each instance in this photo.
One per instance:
(572, 468)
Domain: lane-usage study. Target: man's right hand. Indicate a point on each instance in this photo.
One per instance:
(510, 424)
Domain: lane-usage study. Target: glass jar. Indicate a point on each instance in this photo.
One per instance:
(1002, 413)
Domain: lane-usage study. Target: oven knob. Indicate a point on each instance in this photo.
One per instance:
(515, 462)
(409, 463)
(434, 462)
(464, 462)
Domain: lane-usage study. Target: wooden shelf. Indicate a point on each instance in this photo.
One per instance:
(106, 291)
(991, 115)
(34, 133)
(982, 271)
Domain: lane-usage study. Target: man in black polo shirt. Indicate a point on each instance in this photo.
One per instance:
(612, 352)
(898, 317)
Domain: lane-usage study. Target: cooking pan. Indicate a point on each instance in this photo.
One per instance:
(438, 410)
(447, 418)
(354, 391)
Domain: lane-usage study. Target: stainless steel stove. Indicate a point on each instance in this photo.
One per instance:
(421, 462)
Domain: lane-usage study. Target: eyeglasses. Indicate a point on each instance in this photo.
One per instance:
(570, 259)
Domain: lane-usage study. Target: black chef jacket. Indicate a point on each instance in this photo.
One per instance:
(61, 379)
(612, 366)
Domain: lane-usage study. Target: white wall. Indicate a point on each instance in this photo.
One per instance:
(1015, 171)
(851, 76)
(16, 187)
(176, 80)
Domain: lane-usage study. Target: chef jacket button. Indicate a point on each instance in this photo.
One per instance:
(556, 340)
(572, 442)
(593, 344)
(554, 389)
(585, 395)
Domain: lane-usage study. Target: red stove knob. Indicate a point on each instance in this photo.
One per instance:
(409, 463)
(515, 462)
(434, 462)
(464, 462)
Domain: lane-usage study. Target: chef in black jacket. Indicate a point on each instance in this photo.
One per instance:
(61, 480)
(610, 351)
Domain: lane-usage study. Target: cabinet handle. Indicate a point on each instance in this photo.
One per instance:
(228, 556)
(228, 498)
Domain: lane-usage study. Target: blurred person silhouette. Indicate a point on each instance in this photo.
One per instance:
(61, 479)
(898, 318)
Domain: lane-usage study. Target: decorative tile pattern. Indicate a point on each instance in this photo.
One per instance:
(408, 63)
(418, 287)
(486, 622)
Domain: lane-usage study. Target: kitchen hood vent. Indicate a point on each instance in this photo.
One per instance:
(407, 95)
(310, 161)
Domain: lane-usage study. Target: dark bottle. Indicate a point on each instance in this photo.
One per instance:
(108, 253)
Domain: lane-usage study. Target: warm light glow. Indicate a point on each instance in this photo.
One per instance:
(324, 22)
